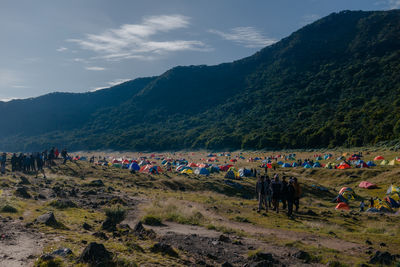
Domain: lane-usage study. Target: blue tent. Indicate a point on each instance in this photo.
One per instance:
(371, 164)
(316, 165)
(202, 171)
(295, 164)
(280, 162)
(307, 166)
(134, 166)
(286, 165)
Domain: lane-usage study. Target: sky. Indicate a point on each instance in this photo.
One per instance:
(80, 46)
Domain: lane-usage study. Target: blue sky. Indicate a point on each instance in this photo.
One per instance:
(79, 46)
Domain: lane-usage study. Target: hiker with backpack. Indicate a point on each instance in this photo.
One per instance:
(297, 194)
(284, 192)
(3, 160)
(260, 191)
(267, 192)
(276, 188)
(290, 196)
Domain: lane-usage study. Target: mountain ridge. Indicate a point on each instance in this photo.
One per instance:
(300, 92)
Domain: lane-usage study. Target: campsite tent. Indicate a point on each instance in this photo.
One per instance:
(187, 171)
(379, 158)
(371, 164)
(342, 206)
(316, 165)
(244, 173)
(367, 185)
(384, 162)
(202, 171)
(295, 164)
(343, 166)
(134, 166)
(232, 175)
(286, 165)
(307, 166)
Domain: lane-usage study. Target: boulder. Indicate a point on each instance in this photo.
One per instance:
(302, 255)
(383, 258)
(22, 192)
(48, 219)
(96, 254)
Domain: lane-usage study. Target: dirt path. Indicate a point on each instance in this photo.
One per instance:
(18, 245)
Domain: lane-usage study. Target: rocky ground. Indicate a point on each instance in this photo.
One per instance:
(89, 215)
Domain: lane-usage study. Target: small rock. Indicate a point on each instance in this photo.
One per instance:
(63, 252)
(87, 226)
(224, 238)
(24, 180)
(96, 183)
(164, 249)
(101, 235)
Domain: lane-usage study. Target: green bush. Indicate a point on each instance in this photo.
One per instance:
(9, 209)
(152, 220)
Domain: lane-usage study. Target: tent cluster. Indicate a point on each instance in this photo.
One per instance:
(345, 195)
(389, 203)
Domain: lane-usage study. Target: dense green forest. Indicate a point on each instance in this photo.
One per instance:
(335, 82)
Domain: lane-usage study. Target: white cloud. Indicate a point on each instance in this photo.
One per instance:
(62, 49)
(110, 84)
(246, 36)
(94, 68)
(8, 99)
(393, 4)
(137, 40)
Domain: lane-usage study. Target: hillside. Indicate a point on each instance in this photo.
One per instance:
(332, 83)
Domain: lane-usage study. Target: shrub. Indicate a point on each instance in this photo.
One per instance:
(152, 220)
(9, 209)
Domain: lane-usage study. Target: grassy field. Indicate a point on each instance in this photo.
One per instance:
(207, 205)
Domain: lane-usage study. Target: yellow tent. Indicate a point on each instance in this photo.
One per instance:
(187, 171)
(384, 162)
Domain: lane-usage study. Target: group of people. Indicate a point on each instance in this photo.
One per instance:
(32, 162)
(271, 192)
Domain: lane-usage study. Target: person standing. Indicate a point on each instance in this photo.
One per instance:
(284, 192)
(276, 191)
(297, 194)
(267, 192)
(3, 163)
(14, 160)
(362, 205)
(260, 192)
(290, 196)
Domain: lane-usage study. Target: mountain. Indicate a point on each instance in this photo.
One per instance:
(335, 82)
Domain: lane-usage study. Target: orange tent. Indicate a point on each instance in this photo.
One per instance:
(342, 206)
(344, 166)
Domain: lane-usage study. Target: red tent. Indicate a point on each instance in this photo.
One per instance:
(343, 166)
(379, 158)
(367, 185)
(342, 206)
(233, 160)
